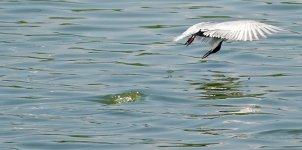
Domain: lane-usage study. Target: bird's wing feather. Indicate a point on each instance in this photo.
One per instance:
(246, 30)
(194, 29)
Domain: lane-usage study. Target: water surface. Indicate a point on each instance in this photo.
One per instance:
(90, 74)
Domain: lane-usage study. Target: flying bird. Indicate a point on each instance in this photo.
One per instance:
(215, 33)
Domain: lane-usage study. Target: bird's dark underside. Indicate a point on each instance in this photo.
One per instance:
(191, 39)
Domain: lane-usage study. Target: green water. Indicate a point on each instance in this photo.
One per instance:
(94, 74)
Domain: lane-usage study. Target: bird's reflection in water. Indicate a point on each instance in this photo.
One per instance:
(221, 86)
(227, 97)
(224, 117)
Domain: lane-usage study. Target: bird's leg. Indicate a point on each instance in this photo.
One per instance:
(190, 40)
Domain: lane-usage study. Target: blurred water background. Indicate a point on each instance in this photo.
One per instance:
(102, 74)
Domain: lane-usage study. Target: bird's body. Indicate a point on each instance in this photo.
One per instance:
(215, 33)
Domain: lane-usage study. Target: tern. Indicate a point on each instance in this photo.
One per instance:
(216, 32)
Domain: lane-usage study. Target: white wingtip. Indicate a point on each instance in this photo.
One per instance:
(191, 30)
(178, 38)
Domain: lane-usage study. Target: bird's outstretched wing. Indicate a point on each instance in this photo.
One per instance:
(203, 26)
(243, 30)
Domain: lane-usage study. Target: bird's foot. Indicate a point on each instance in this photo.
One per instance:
(190, 40)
